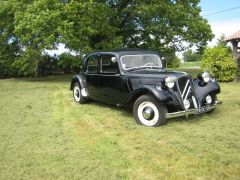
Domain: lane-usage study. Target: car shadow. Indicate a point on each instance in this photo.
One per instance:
(126, 111)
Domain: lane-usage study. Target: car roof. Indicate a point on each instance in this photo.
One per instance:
(122, 52)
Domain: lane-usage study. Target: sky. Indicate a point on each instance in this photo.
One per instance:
(227, 22)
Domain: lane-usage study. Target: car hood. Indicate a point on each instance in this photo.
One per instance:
(156, 73)
(139, 78)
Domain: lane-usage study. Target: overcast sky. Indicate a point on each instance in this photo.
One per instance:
(226, 22)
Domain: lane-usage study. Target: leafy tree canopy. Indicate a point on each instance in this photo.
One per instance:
(91, 25)
(162, 25)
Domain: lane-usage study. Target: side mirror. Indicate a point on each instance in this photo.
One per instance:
(114, 59)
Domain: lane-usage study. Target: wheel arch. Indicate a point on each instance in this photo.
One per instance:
(161, 96)
(81, 79)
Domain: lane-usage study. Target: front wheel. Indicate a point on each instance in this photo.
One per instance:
(77, 96)
(149, 112)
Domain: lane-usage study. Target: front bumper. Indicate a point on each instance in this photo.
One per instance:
(188, 112)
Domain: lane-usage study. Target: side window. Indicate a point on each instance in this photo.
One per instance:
(92, 64)
(107, 65)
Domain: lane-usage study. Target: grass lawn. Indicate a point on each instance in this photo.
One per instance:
(195, 65)
(45, 135)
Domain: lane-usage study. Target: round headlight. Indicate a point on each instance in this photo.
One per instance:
(170, 81)
(205, 76)
(209, 99)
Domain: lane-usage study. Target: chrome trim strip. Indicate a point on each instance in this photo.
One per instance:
(185, 88)
(194, 102)
(187, 93)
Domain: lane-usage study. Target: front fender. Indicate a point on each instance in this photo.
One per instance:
(81, 79)
(212, 87)
(161, 95)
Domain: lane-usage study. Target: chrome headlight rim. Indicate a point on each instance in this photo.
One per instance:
(170, 81)
(206, 77)
(209, 99)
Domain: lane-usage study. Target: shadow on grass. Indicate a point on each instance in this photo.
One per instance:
(126, 112)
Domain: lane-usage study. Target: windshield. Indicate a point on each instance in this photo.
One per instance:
(140, 61)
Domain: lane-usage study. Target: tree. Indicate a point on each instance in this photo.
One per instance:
(221, 42)
(190, 56)
(161, 25)
(9, 43)
(84, 26)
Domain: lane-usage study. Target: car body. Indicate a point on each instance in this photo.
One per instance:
(137, 77)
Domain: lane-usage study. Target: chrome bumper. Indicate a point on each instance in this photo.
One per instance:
(188, 112)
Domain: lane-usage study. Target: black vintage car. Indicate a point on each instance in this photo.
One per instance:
(137, 77)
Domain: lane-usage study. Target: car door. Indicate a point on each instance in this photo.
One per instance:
(91, 73)
(110, 83)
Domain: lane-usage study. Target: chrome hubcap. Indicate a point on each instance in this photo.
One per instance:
(76, 93)
(148, 113)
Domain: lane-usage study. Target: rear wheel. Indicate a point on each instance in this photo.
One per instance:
(149, 112)
(77, 96)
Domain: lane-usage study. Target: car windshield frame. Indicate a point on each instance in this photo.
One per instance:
(141, 67)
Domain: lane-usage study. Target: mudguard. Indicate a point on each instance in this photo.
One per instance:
(81, 79)
(212, 87)
(162, 96)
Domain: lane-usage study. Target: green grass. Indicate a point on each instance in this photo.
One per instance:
(190, 65)
(45, 135)
(192, 71)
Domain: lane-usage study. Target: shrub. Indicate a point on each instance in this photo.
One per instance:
(69, 63)
(220, 63)
(172, 61)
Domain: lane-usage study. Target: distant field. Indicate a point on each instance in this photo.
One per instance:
(192, 71)
(194, 65)
(45, 135)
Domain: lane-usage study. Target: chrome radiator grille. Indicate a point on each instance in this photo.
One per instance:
(186, 90)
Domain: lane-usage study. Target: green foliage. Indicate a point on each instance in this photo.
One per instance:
(85, 26)
(220, 63)
(190, 56)
(221, 42)
(27, 65)
(69, 63)
(172, 61)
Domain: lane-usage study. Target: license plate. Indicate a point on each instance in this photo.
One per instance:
(202, 110)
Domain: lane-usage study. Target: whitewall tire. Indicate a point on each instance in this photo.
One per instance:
(77, 96)
(149, 112)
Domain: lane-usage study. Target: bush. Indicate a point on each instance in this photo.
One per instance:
(5, 69)
(69, 63)
(172, 61)
(220, 63)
